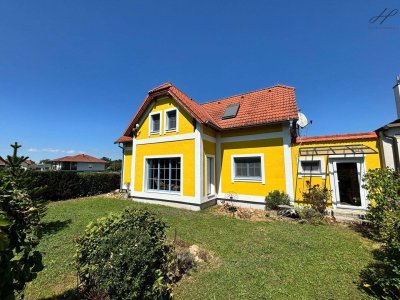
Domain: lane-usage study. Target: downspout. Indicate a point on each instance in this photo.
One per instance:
(395, 149)
(122, 168)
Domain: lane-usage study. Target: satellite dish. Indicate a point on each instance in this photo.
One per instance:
(302, 121)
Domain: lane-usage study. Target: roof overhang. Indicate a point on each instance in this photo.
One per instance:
(336, 150)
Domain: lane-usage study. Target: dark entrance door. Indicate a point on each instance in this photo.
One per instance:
(349, 185)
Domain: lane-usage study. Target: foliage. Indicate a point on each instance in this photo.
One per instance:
(310, 215)
(61, 185)
(180, 262)
(19, 229)
(276, 198)
(316, 197)
(125, 256)
(112, 165)
(383, 186)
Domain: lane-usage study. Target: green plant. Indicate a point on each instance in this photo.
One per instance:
(310, 215)
(383, 186)
(19, 229)
(316, 197)
(275, 198)
(125, 256)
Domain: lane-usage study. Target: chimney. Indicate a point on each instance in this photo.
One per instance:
(396, 90)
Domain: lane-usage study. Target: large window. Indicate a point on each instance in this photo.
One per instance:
(171, 120)
(164, 174)
(155, 123)
(248, 168)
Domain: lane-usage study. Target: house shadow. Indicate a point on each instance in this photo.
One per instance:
(54, 226)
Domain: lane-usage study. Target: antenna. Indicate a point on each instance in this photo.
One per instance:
(302, 121)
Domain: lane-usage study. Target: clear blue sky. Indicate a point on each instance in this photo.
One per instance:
(72, 73)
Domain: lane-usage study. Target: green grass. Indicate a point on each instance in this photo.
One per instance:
(256, 260)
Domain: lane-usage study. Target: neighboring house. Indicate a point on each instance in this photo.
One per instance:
(28, 164)
(2, 164)
(80, 162)
(182, 153)
(43, 167)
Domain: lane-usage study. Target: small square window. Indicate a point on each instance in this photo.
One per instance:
(170, 120)
(311, 166)
(155, 123)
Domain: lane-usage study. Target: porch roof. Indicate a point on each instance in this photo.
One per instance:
(336, 150)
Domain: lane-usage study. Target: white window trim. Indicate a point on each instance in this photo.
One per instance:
(213, 189)
(233, 179)
(166, 120)
(144, 186)
(321, 160)
(151, 123)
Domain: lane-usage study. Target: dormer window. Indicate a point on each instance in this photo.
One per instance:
(155, 123)
(230, 111)
(171, 120)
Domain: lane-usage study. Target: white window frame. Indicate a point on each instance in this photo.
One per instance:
(151, 123)
(145, 174)
(166, 120)
(212, 192)
(321, 173)
(241, 179)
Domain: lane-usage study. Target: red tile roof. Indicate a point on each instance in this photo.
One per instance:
(80, 158)
(337, 137)
(2, 162)
(123, 139)
(29, 162)
(269, 105)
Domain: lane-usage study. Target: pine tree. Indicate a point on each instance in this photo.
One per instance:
(19, 229)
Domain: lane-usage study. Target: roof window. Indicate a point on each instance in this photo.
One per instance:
(231, 111)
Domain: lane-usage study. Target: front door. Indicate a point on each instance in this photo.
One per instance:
(347, 176)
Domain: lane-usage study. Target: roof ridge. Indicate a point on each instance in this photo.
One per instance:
(255, 91)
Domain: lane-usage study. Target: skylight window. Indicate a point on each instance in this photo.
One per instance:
(231, 111)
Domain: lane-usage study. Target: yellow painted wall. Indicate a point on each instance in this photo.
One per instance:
(252, 130)
(209, 131)
(274, 168)
(127, 166)
(372, 161)
(209, 148)
(186, 148)
(184, 119)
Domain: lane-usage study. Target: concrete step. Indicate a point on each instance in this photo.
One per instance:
(350, 216)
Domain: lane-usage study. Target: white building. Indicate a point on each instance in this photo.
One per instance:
(80, 162)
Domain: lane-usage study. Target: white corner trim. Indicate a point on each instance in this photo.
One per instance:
(198, 162)
(166, 120)
(144, 183)
(287, 154)
(252, 137)
(209, 138)
(133, 164)
(171, 138)
(151, 122)
(234, 179)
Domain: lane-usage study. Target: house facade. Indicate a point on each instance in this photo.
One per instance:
(80, 162)
(182, 153)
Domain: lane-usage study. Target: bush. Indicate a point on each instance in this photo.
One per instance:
(125, 256)
(310, 215)
(61, 185)
(383, 186)
(317, 197)
(276, 198)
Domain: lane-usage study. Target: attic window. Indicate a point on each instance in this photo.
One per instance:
(230, 111)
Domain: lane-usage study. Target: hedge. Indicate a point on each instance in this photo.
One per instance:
(61, 185)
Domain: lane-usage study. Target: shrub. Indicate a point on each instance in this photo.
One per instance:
(276, 198)
(61, 185)
(317, 197)
(125, 256)
(19, 230)
(310, 215)
(383, 186)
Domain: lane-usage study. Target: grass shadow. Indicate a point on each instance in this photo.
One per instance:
(54, 226)
(67, 295)
(365, 230)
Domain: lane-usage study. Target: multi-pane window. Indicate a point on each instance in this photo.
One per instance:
(164, 174)
(171, 120)
(155, 123)
(311, 166)
(248, 167)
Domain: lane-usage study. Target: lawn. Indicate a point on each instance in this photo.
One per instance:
(256, 260)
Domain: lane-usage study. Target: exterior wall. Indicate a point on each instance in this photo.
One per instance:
(387, 147)
(252, 130)
(127, 168)
(370, 161)
(86, 166)
(184, 120)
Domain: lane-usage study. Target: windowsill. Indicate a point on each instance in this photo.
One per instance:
(163, 192)
(212, 195)
(155, 132)
(170, 130)
(247, 179)
(300, 175)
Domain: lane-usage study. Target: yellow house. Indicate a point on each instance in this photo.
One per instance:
(182, 153)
